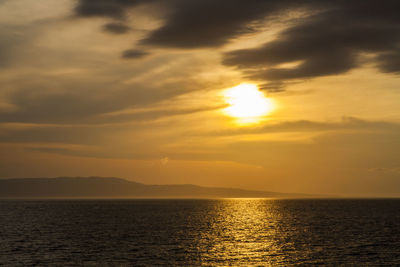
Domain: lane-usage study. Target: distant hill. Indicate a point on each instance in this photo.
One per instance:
(102, 187)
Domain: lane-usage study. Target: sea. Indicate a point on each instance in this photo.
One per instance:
(194, 232)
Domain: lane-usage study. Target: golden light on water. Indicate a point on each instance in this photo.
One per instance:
(243, 232)
(247, 103)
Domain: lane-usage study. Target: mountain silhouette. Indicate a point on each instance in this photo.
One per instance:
(110, 187)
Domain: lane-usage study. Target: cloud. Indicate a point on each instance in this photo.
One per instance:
(389, 62)
(107, 8)
(394, 170)
(38, 99)
(150, 115)
(12, 39)
(353, 152)
(347, 124)
(45, 102)
(134, 53)
(329, 38)
(352, 131)
(56, 150)
(50, 134)
(207, 23)
(195, 23)
(327, 43)
(116, 28)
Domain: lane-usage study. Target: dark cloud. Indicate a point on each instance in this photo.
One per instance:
(390, 61)
(274, 86)
(335, 62)
(116, 28)
(134, 53)
(328, 39)
(107, 8)
(194, 23)
(327, 43)
(208, 23)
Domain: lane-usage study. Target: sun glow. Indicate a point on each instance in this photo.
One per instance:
(247, 103)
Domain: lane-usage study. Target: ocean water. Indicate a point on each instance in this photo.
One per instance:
(226, 232)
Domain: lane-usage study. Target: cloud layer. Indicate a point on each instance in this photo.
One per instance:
(332, 41)
(330, 37)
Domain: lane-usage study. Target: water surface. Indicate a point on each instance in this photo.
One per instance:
(236, 232)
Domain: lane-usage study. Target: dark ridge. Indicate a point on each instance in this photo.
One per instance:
(110, 187)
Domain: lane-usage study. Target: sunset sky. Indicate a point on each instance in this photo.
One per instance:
(287, 96)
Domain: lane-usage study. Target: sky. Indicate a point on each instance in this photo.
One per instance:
(286, 96)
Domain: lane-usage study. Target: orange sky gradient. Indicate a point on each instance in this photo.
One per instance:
(145, 90)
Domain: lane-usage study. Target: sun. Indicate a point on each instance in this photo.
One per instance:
(247, 103)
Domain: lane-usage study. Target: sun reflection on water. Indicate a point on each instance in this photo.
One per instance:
(242, 232)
